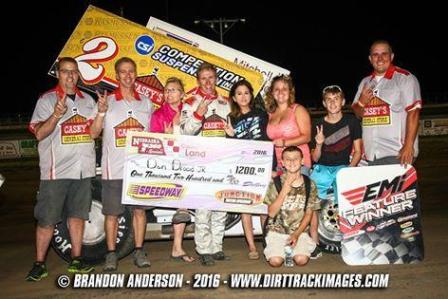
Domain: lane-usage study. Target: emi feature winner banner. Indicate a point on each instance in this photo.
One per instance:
(101, 38)
(179, 171)
(379, 210)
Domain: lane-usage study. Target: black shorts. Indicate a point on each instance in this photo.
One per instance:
(55, 197)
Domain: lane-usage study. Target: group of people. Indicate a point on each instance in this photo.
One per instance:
(66, 121)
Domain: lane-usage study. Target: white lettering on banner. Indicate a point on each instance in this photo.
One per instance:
(213, 173)
(375, 202)
(189, 65)
(268, 70)
(129, 281)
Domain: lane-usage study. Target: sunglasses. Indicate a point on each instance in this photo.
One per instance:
(332, 89)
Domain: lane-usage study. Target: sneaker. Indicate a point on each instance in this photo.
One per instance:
(141, 259)
(77, 265)
(38, 272)
(220, 256)
(206, 260)
(111, 262)
(317, 253)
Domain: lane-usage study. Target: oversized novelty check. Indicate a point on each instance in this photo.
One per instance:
(179, 171)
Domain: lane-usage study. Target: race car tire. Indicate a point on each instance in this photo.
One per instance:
(232, 219)
(329, 234)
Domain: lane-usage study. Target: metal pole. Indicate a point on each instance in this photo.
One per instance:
(221, 35)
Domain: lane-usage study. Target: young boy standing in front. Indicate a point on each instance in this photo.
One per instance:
(336, 135)
(290, 212)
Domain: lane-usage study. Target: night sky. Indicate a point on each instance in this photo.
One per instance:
(322, 43)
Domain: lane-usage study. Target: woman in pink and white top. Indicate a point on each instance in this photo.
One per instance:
(166, 120)
(289, 123)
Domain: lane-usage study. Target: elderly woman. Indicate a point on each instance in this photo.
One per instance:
(166, 120)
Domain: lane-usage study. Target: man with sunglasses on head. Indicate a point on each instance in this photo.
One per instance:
(335, 135)
(61, 123)
(389, 103)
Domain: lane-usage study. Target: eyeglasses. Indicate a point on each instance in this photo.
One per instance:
(69, 72)
(332, 89)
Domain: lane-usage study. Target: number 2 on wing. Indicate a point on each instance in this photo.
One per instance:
(97, 50)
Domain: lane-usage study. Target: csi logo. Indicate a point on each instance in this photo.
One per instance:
(144, 45)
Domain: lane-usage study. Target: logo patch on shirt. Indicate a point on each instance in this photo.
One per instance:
(376, 113)
(75, 130)
(248, 128)
(213, 126)
(121, 130)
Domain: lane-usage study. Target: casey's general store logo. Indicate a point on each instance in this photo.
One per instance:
(121, 130)
(376, 113)
(75, 130)
(213, 126)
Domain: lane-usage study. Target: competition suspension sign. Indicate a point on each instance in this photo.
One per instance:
(101, 38)
(179, 171)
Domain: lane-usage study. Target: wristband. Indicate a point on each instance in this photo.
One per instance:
(102, 114)
(58, 117)
(361, 104)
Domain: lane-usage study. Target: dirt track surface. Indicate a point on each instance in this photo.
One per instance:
(424, 280)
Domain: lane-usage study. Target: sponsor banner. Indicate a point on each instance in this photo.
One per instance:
(28, 148)
(177, 171)
(9, 149)
(100, 38)
(379, 210)
(437, 126)
(268, 70)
